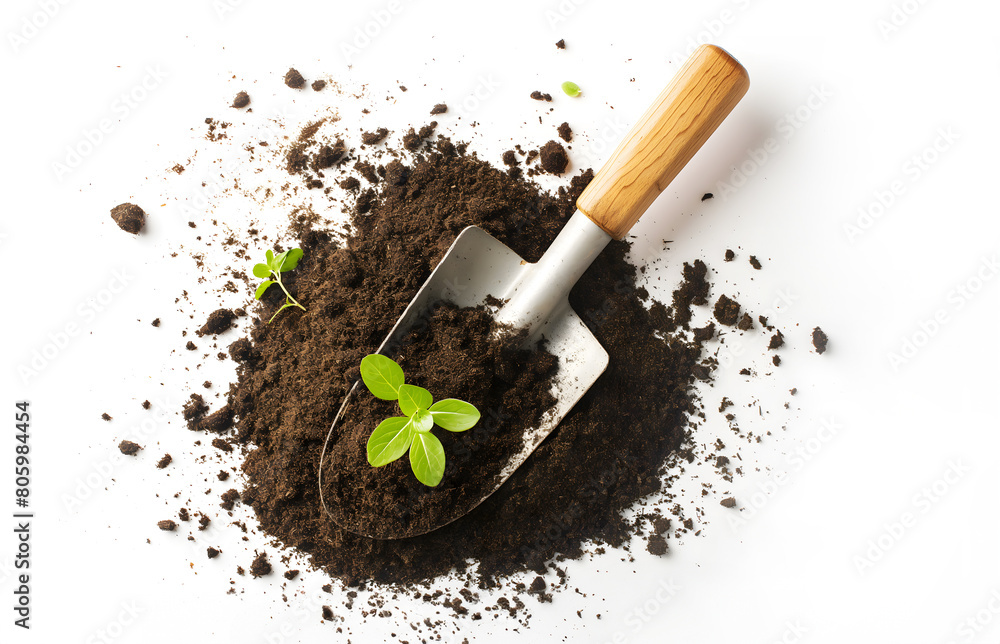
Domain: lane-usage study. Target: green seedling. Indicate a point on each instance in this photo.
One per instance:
(271, 272)
(571, 89)
(412, 431)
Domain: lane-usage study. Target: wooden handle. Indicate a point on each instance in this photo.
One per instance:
(681, 119)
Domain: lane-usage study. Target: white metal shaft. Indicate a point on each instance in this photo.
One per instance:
(545, 285)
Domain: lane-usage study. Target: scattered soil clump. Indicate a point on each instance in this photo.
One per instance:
(727, 311)
(260, 566)
(294, 79)
(218, 322)
(554, 158)
(440, 108)
(129, 217)
(128, 448)
(565, 132)
(371, 138)
(819, 340)
(242, 100)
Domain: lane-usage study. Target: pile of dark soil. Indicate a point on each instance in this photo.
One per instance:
(609, 452)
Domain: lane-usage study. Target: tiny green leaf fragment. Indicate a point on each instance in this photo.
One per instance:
(571, 89)
(261, 271)
(427, 458)
(382, 376)
(454, 415)
(263, 287)
(389, 441)
(412, 398)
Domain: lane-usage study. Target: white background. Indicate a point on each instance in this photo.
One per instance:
(821, 557)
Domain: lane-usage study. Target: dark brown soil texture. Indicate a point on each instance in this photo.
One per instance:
(454, 355)
(561, 44)
(819, 340)
(242, 100)
(218, 322)
(129, 448)
(260, 566)
(129, 217)
(540, 96)
(167, 525)
(371, 138)
(294, 79)
(318, 85)
(565, 132)
(554, 158)
(727, 311)
(609, 452)
(440, 108)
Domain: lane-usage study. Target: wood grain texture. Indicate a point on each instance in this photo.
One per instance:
(661, 143)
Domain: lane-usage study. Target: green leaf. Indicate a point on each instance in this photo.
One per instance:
(571, 88)
(263, 287)
(427, 458)
(382, 376)
(412, 398)
(261, 271)
(270, 256)
(276, 262)
(291, 259)
(389, 441)
(454, 415)
(422, 420)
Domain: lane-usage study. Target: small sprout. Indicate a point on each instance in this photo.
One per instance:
(411, 432)
(271, 271)
(571, 89)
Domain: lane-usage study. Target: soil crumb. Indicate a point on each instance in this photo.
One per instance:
(565, 132)
(727, 311)
(219, 321)
(260, 566)
(294, 79)
(129, 448)
(242, 100)
(129, 217)
(539, 96)
(554, 158)
(819, 340)
(440, 108)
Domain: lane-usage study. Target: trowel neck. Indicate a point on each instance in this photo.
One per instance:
(544, 286)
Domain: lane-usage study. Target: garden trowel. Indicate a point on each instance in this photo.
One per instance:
(536, 295)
